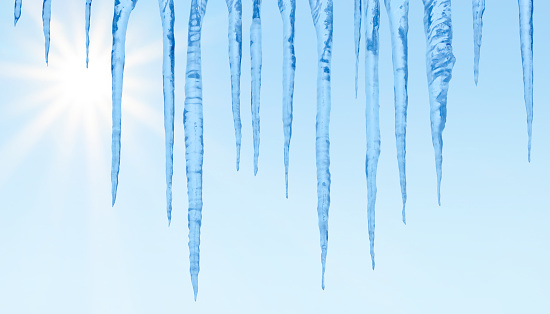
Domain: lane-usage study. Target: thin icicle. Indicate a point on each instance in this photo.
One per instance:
(357, 15)
(478, 7)
(372, 20)
(235, 36)
(256, 76)
(167, 17)
(439, 66)
(194, 149)
(123, 8)
(46, 17)
(398, 13)
(526, 38)
(17, 11)
(288, 14)
(87, 16)
(322, 14)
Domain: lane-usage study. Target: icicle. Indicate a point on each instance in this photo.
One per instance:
(256, 75)
(167, 17)
(478, 7)
(398, 13)
(526, 38)
(46, 17)
(372, 19)
(17, 11)
(87, 16)
(235, 36)
(194, 149)
(358, 13)
(321, 12)
(439, 65)
(123, 8)
(288, 14)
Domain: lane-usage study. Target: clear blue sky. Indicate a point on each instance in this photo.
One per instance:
(63, 249)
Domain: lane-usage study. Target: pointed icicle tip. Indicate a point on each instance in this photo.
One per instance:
(195, 283)
(403, 214)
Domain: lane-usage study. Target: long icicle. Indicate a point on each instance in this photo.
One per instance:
(398, 13)
(87, 17)
(439, 66)
(193, 127)
(17, 11)
(526, 39)
(46, 18)
(357, 15)
(256, 76)
(372, 20)
(123, 8)
(288, 15)
(168, 62)
(235, 36)
(322, 14)
(478, 8)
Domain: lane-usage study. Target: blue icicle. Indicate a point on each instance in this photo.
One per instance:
(256, 76)
(526, 39)
(87, 17)
(478, 8)
(17, 11)
(46, 17)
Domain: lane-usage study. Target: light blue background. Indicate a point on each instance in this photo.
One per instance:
(63, 249)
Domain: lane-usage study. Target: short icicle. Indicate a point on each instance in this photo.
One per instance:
(168, 62)
(478, 8)
(526, 39)
(17, 11)
(87, 17)
(123, 8)
(193, 127)
(256, 76)
(357, 15)
(235, 36)
(372, 20)
(322, 14)
(398, 13)
(288, 15)
(439, 66)
(46, 18)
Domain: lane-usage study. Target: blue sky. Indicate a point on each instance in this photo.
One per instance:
(64, 249)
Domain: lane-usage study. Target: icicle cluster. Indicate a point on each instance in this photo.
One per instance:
(322, 14)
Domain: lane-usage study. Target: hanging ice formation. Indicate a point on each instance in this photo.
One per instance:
(526, 39)
(288, 15)
(87, 16)
(235, 36)
(372, 20)
(398, 13)
(322, 14)
(123, 8)
(167, 17)
(256, 76)
(439, 65)
(357, 14)
(46, 17)
(17, 11)
(192, 122)
(478, 7)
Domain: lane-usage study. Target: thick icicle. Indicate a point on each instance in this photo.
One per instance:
(17, 11)
(123, 8)
(87, 16)
(526, 38)
(478, 8)
(167, 17)
(256, 76)
(439, 66)
(288, 14)
(46, 17)
(194, 149)
(322, 14)
(357, 15)
(398, 13)
(235, 36)
(372, 20)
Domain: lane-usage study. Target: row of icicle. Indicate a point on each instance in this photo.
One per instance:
(439, 65)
